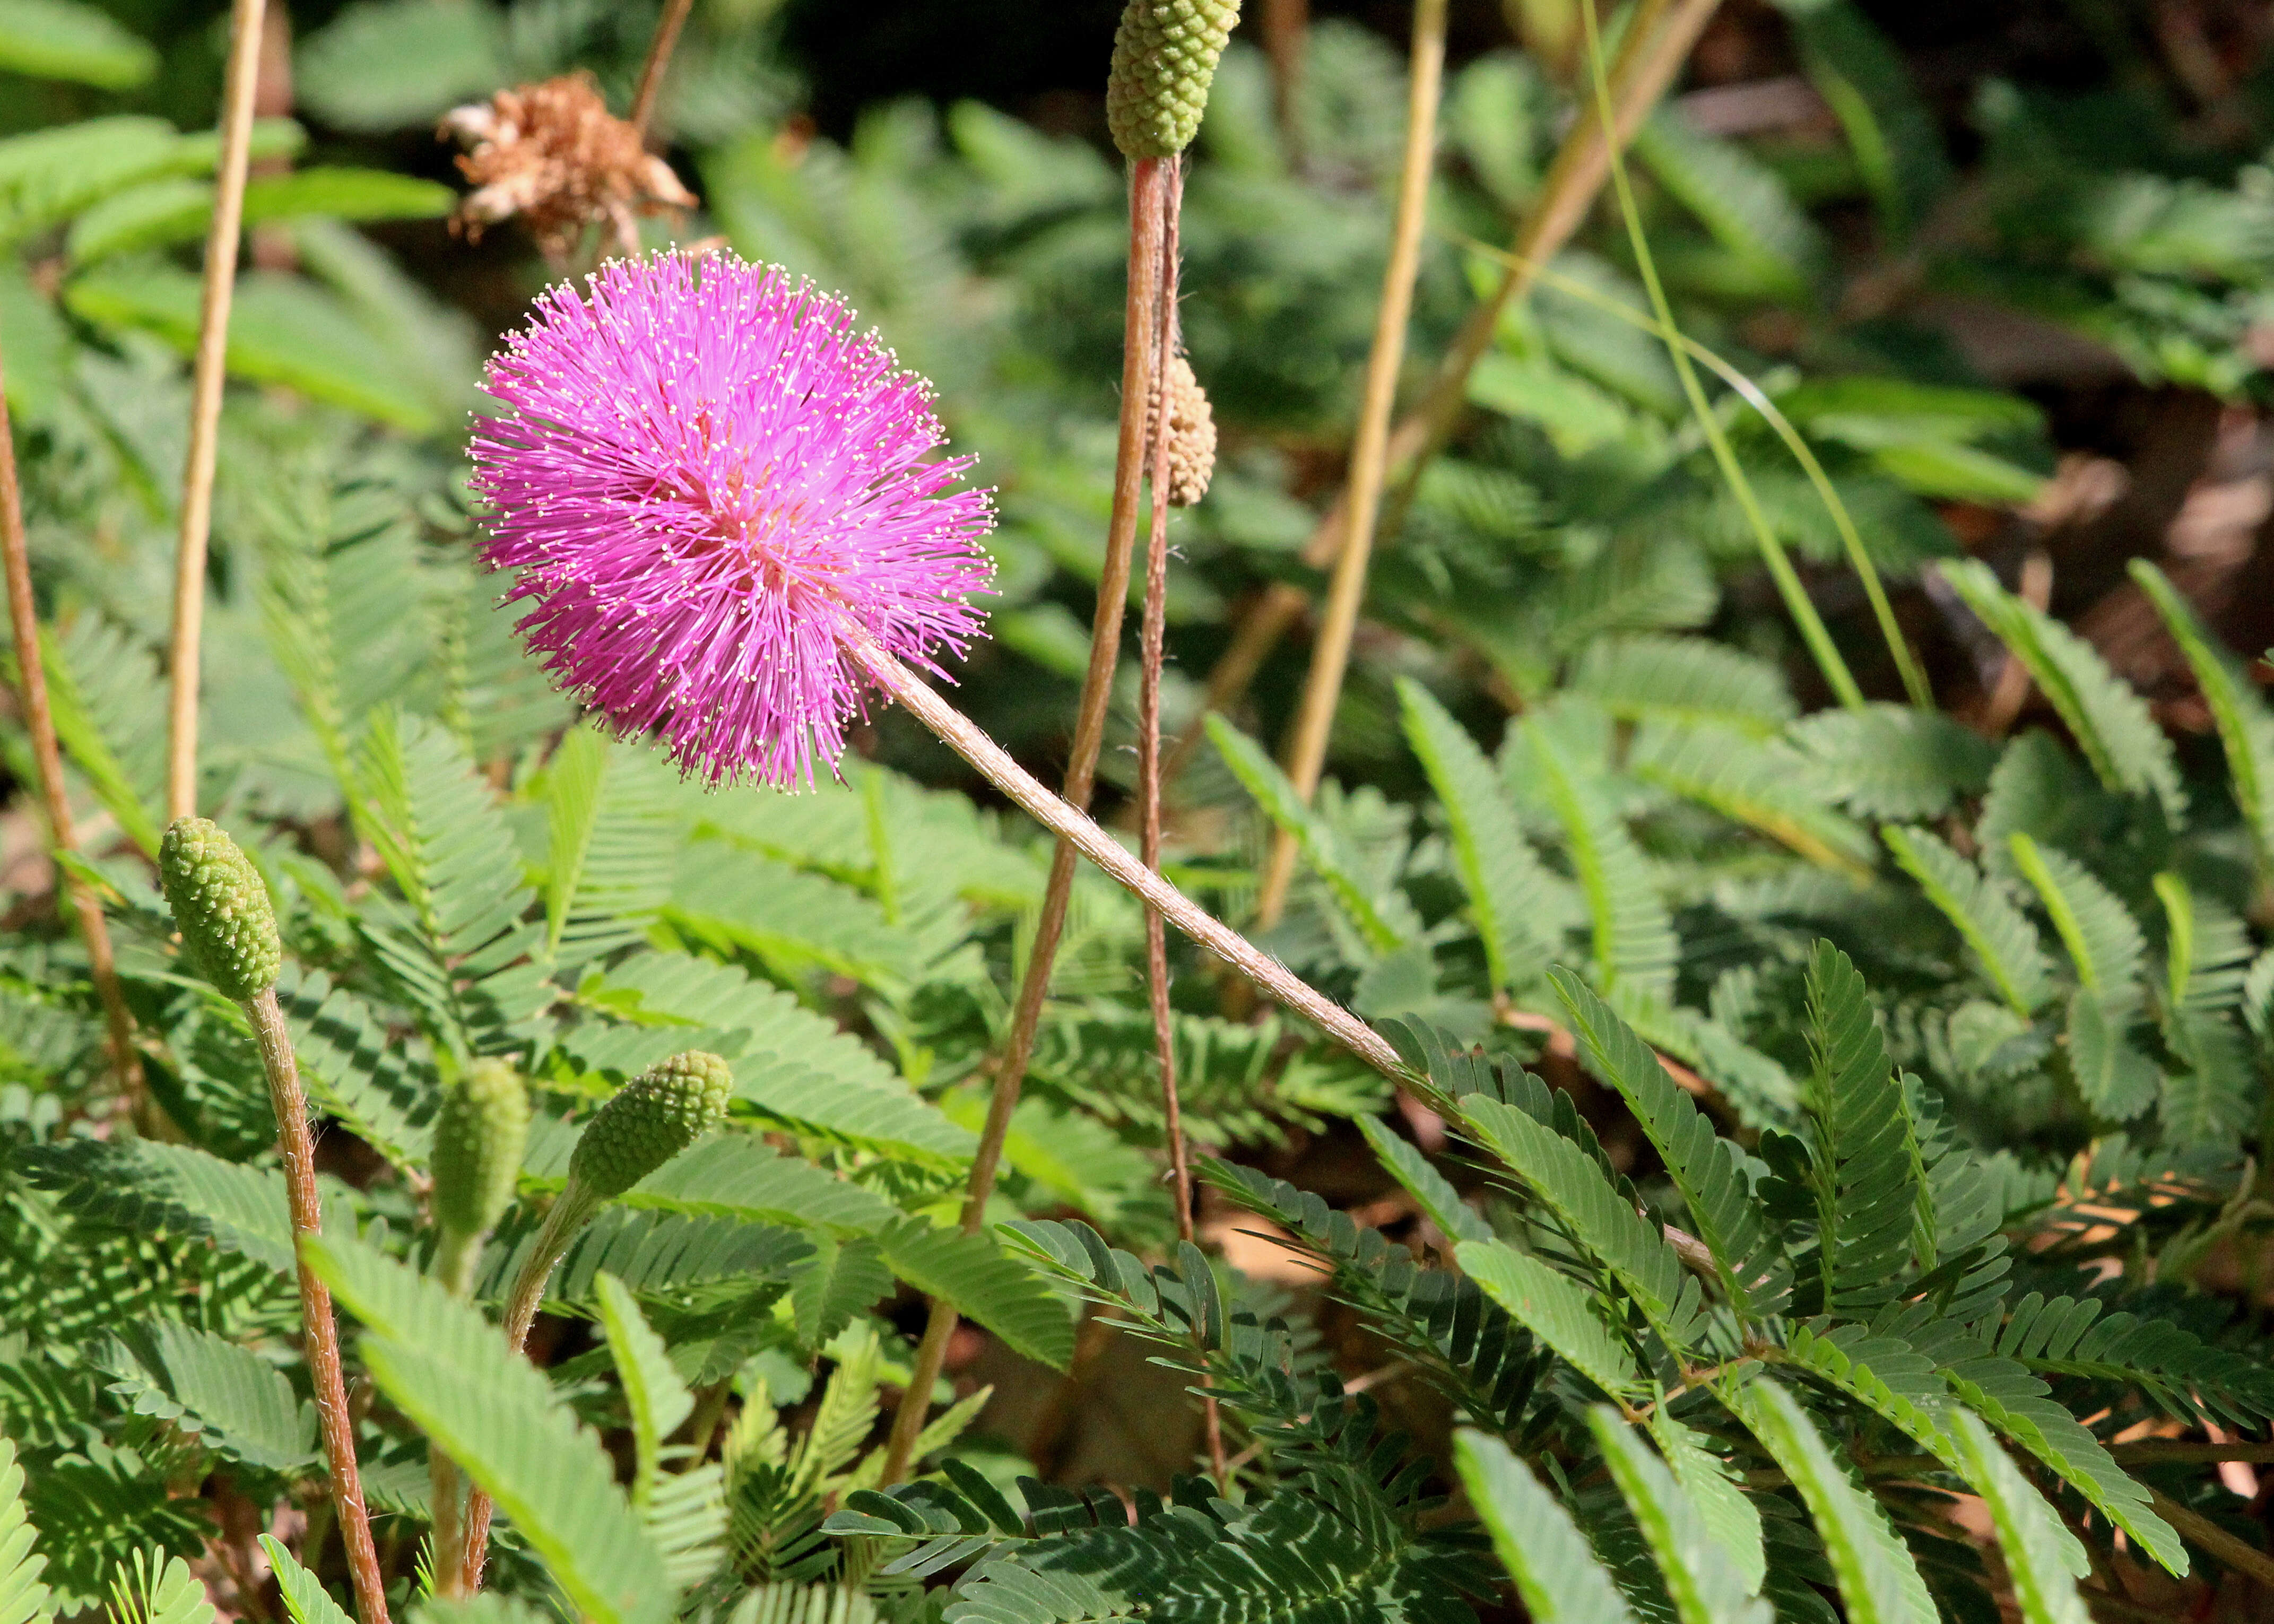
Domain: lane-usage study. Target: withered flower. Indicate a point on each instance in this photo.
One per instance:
(553, 155)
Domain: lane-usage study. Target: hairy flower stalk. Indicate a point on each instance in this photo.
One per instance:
(645, 1123)
(479, 1136)
(221, 906)
(1171, 376)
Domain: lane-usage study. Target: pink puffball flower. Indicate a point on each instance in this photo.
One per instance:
(705, 479)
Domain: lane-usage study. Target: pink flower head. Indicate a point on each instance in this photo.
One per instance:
(704, 478)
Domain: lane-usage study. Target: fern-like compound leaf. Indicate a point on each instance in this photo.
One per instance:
(2111, 721)
(2005, 943)
(1878, 1580)
(2043, 1558)
(1503, 879)
(1873, 1212)
(1705, 1167)
(1555, 1571)
(1705, 1585)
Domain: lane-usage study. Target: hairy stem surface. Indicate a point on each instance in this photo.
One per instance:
(1271, 978)
(319, 1330)
(48, 763)
(207, 378)
(1148, 183)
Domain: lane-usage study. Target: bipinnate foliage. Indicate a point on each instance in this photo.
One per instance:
(1845, 1108)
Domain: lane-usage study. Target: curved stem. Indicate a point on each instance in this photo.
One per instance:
(1306, 754)
(1148, 181)
(455, 1257)
(1796, 601)
(319, 1330)
(1649, 57)
(1271, 978)
(574, 1205)
(207, 378)
(48, 764)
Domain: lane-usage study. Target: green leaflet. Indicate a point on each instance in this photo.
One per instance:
(986, 1284)
(172, 1595)
(1751, 783)
(1634, 942)
(451, 1372)
(740, 1175)
(1705, 1584)
(1878, 1581)
(23, 1598)
(233, 1399)
(609, 852)
(305, 1599)
(1498, 869)
(1873, 1212)
(2103, 940)
(2010, 1399)
(1322, 846)
(1560, 1313)
(2246, 727)
(2127, 750)
(1705, 1167)
(2043, 1557)
(658, 1399)
(1555, 1570)
(794, 1066)
(1893, 760)
(1648, 676)
(1713, 1489)
(1428, 1187)
(1576, 1190)
(2005, 943)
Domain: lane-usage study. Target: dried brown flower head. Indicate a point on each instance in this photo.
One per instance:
(553, 155)
(1191, 435)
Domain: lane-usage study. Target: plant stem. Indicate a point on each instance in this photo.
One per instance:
(47, 762)
(1789, 588)
(1306, 754)
(455, 1257)
(658, 58)
(207, 377)
(2193, 1525)
(318, 1328)
(1153, 644)
(1148, 181)
(1649, 57)
(1271, 978)
(570, 1210)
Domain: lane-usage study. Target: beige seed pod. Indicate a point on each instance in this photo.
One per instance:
(1191, 435)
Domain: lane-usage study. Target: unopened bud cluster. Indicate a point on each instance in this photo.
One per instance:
(222, 907)
(650, 1120)
(1191, 435)
(479, 1136)
(1164, 55)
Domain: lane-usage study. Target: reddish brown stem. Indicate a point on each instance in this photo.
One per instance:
(1148, 179)
(320, 1333)
(1153, 644)
(48, 763)
(659, 59)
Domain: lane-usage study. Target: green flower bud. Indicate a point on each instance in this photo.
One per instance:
(652, 1119)
(1164, 54)
(479, 1137)
(220, 907)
